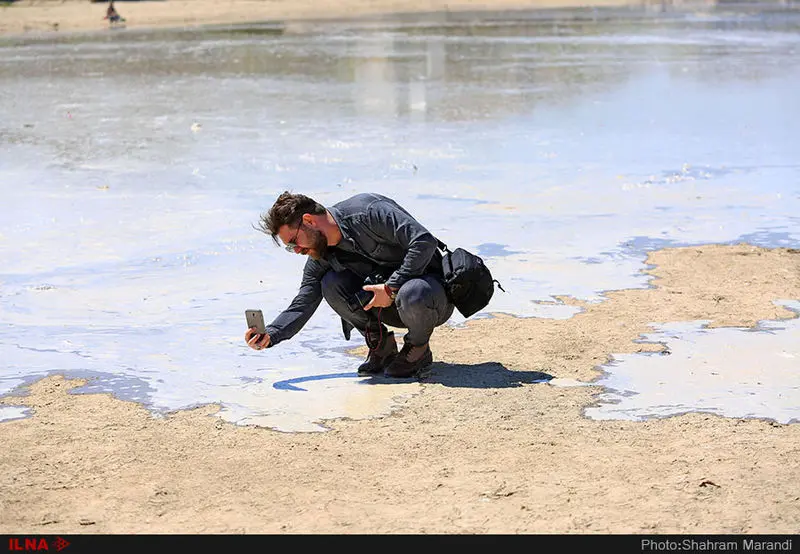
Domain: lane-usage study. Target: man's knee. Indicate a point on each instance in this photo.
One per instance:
(422, 305)
(415, 294)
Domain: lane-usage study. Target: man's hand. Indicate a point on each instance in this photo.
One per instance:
(380, 298)
(256, 341)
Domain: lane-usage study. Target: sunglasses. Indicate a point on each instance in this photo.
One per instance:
(292, 244)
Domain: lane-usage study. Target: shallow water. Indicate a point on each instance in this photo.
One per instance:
(134, 164)
(732, 372)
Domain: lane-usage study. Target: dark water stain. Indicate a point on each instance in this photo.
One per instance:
(124, 387)
(492, 249)
(768, 239)
(290, 384)
(640, 246)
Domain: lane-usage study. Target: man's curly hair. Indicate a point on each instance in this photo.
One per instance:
(288, 209)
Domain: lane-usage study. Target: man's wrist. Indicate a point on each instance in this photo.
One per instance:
(392, 293)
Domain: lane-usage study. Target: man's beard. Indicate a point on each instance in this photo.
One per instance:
(319, 243)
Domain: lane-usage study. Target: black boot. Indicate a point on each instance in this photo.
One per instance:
(410, 361)
(379, 356)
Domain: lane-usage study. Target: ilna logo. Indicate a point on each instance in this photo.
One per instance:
(27, 544)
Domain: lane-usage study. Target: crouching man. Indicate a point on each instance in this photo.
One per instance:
(374, 264)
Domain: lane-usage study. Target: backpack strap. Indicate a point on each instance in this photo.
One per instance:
(442, 246)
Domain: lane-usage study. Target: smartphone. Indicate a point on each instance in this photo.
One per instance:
(255, 319)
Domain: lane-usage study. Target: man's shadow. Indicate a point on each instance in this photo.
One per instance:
(488, 375)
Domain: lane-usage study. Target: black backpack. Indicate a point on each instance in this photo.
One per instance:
(467, 280)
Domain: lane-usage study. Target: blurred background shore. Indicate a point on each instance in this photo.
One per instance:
(36, 16)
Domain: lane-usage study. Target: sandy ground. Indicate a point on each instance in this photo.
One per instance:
(31, 16)
(481, 449)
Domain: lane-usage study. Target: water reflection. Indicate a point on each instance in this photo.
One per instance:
(445, 69)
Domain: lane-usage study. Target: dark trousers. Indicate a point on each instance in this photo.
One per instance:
(420, 306)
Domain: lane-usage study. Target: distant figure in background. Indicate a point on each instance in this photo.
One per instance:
(112, 15)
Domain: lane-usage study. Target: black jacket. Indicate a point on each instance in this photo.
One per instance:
(378, 236)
